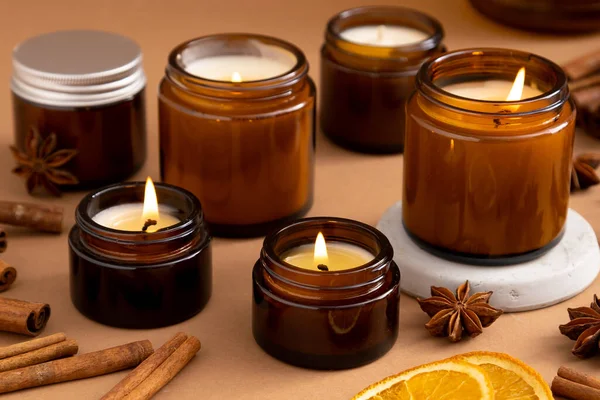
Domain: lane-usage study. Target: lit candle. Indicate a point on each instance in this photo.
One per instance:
(241, 68)
(384, 35)
(495, 90)
(135, 217)
(333, 256)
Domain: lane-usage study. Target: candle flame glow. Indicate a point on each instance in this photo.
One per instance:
(236, 77)
(320, 255)
(517, 88)
(150, 210)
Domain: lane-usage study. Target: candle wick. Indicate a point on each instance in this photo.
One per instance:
(149, 222)
(380, 30)
(322, 267)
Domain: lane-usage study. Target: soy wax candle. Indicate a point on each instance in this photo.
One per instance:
(326, 294)
(368, 65)
(237, 123)
(140, 256)
(489, 140)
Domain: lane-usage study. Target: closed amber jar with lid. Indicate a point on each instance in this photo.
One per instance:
(364, 87)
(87, 88)
(237, 129)
(488, 181)
(326, 319)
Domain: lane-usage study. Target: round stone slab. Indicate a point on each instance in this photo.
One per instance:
(566, 270)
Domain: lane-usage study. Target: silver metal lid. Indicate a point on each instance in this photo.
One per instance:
(77, 68)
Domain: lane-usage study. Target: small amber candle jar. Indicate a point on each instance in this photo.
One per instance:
(237, 122)
(87, 88)
(326, 320)
(364, 87)
(488, 181)
(138, 279)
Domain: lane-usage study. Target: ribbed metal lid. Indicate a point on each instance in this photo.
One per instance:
(77, 68)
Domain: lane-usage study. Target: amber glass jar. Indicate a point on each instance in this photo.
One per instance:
(87, 87)
(364, 88)
(556, 16)
(237, 128)
(326, 320)
(488, 181)
(138, 279)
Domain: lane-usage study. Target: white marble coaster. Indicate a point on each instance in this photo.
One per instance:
(563, 272)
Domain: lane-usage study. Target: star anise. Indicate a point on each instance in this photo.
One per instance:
(40, 163)
(584, 328)
(583, 173)
(455, 316)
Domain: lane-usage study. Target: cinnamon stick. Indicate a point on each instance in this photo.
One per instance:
(143, 370)
(23, 317)
(3, 242)
(35, 216)
(166, 371)
(573, 390)
(583, 66)
(77, 367)
(30, 345)
(578, 377)
(7, 276)
(57, 350)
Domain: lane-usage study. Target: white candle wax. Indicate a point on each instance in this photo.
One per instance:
(128, 217)
(240, 68)
(340, 256)
(383, 35)
(490, 90)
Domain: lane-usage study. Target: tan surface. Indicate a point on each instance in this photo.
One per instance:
(230, 365)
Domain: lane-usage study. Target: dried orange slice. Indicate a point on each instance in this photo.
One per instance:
(451, 379)
(510, 377)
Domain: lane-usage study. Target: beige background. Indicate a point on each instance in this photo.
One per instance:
(231, 365)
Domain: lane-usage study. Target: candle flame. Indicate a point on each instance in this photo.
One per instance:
(236, 77)
(451, 144)
(150, 210)
(320, 255)
(517, 88)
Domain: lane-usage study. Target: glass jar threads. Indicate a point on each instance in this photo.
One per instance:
(329, 316)
(368, 66)
(87, 88)
(489, 140)
(139, 279)
(237, 128)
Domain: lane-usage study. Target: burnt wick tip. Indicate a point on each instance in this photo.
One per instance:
(149, 223)
(322, 267)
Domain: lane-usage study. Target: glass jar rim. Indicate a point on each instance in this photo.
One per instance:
(409, 18)
(292, 76)
(379, 261)
(553, 97)
(85, 221)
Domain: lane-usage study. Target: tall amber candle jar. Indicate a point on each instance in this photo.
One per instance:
(237, 123)
(368, 66)
(486, 180)
(319, 319)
